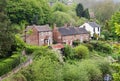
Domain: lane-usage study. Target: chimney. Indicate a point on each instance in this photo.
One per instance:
(54, 27)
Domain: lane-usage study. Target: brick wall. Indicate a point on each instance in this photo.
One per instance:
(32, 38)
(57, 36)
(44, 35)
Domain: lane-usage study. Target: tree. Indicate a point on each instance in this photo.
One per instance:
(114, 28)
(35, 12)
(59, 7)
(6, 31)
(79, 10)
(117, 29)
(103, 10)
(60, 18)
(86, 14)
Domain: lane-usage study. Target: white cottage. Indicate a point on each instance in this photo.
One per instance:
(92, 27)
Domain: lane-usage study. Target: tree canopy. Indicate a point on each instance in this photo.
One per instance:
(60, 18)
(81, 12)
(35, 12)
(6, 31)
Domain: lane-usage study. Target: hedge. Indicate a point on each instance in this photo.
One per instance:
(8, 64)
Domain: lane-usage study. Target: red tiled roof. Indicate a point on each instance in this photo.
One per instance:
(57, 46)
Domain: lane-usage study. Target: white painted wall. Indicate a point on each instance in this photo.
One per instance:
(90, 29)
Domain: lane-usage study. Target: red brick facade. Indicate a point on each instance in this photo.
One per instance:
(39, 36)
(68, 39)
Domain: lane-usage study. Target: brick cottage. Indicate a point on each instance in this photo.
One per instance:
(67, 34)
(38, 35)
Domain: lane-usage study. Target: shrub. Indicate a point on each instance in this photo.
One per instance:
(30, 49)
(116, 74)
(16, 77)
(71, 72)
(82, 51)
(104, 66)
(8, 64)
(76, 42)
(90, 46)
(68, 52)
(44, 69)
(45, 52)
(93, 72)
(102, 47)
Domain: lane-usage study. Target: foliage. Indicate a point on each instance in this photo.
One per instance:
(68, 52)
(89, 46)
(116, 75)
(73, 72)
(102, 8)
(6, 32)
(45, 67)
(81, 12)
(117, 29)
(95, 36)
(16, 77)
(20, 44)
(80, 21)
(86, 14)
(93, 72)
(35, 12)
(76, 42)
(104, 66)
(114, 19)
(60, 18)
(82, 51)
(30, 49)
(106, 34)
(102, 47)
(59, 7)
(9, 63)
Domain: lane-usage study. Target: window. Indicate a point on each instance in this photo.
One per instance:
(98, 28)
(93, 29)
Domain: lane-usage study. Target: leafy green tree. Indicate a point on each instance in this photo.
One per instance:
(6, 32)
(79, 10)
(114, 19)
(60, 18)
(35, 12)
(59, 7)
(117, 29)
(80, 21)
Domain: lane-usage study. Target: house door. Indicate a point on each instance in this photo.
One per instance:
(47, 42)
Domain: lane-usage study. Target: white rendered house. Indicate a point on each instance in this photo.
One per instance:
(92, 27)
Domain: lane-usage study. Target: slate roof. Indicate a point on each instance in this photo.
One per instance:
(93, 24)
(41, 28)
(72, 31)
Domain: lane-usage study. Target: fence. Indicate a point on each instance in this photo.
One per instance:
(15, 70)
